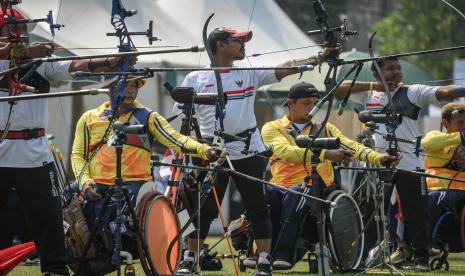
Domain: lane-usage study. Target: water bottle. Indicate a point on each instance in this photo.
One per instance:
(322, 261)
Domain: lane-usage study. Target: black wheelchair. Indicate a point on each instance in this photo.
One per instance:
(448, 232)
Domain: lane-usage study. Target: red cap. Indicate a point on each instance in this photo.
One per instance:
(221, 34)
(244, 36)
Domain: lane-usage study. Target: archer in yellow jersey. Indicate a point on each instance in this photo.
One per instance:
(287, 163)
(445, 156)
(94, 161)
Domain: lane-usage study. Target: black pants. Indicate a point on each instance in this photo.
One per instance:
(253, 198)
(413, 197)
(42, 207)
(12, 213)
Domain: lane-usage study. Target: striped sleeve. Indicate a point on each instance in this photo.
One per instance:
(164, 133)
(360, 151)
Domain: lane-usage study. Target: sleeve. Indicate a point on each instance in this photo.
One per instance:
(422, 95)
(265, 77)
(361, 152)
(281, 147)
(436, 140)
(164, 133)
(56, 70)
(78, 152)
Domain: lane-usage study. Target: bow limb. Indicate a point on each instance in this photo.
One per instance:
(118, 16)
(14, 87)
(221, 106)
(391, 124)
(454, 8)
(220, 115)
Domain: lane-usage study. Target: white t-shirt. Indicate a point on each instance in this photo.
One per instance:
(28, 115)
(419, 95)
(240, 87)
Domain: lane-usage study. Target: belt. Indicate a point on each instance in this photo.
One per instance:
(25, 134)
(247, 134)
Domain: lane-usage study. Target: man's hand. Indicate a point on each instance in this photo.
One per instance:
(389, 161)
(39, 49)
(90, 191)
(215, 155)
(114, 61)
(327, 51)
(380, 86)
(339, 156)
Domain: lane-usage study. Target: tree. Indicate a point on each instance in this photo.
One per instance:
(423, 25)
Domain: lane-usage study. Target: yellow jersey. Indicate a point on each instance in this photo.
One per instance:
(135, 160)
(287, 159)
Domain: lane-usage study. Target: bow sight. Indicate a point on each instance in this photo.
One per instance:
(329, 32)
(121, 32)
(10, 20)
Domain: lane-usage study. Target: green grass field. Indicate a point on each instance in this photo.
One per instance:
(457, 267)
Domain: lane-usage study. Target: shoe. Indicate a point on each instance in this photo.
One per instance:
(32, 261)
(250, 262)
(421, 265)
(401, 255)
(281, 264)
(186, 267)
(262, 269)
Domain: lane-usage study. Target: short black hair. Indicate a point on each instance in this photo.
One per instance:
(381, 62)
(216, 35)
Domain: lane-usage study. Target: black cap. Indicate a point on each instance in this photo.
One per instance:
(302, 90)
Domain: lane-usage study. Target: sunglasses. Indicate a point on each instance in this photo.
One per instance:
(235, 39)
(453, 113)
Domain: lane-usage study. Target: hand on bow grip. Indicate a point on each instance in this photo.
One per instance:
(216, 156)
(116, 61)
(39, 50)
(389, 161)
(327, 51)
(90, 191)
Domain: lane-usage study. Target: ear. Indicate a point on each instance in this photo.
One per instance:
(290, 103)
(445, 123)
(219, 44)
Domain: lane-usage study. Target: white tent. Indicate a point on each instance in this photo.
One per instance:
(176, 22)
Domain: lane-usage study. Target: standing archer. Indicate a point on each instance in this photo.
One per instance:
(240, 88)
(26, 163)
(408, 101)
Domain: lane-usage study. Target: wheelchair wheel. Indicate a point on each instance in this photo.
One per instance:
(159, 224)
(344, 231)
(436, 264)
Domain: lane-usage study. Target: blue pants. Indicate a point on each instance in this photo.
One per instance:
(283, 214)
(440, 202)
(92, 209)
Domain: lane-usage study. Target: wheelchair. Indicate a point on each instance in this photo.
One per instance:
(158, 222)
(343, 226)
(448, 231)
